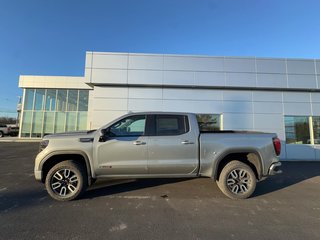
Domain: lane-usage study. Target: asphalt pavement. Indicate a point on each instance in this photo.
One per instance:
(286, 206)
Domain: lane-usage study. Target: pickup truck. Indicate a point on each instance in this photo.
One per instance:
(156, 145)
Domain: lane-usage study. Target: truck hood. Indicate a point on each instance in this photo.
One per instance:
(78, 134)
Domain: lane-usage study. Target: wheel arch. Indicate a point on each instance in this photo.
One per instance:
(57, 157)
(249, 157)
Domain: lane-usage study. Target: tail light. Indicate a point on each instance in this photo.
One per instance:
(277, 145)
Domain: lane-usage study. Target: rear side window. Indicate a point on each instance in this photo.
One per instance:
(168, 125)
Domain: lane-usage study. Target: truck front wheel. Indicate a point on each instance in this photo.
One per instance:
(66, 181)
(237, 180)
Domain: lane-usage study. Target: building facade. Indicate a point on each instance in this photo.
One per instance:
(238, 93)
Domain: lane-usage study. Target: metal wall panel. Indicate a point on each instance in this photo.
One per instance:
(88, 59)
(115, 61)
(192, 94)
(300, 152)
(148, 77)
(151, 62)
(241, 79)
(317, 151)
(178, 78)
(302, 81)
(300, 66)
(271, 66)
(315, 97)
(110, 92)
(318, 66)
(109, 76)
(261, 96)
(178, 106)
(144, 105)
(239, 64)
(190, 63)
(272, 80)
(316, 109)
(237, 107)
(102, 104)
(210, 79)
(237, 121)
(267, 107)
(296, 97)
(297, 108)
(237, 95)
(268, 121)
(102, 118)
(145, 93)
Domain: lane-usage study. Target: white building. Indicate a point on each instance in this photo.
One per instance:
(260, 94)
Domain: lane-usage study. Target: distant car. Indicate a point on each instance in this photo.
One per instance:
(8, 130)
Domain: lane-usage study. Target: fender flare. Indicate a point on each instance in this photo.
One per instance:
(223, 155)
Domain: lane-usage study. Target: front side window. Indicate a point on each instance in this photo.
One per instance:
(167, 125)
(297, 130)
(130, 126)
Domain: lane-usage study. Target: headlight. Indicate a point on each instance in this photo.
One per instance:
(43, 144)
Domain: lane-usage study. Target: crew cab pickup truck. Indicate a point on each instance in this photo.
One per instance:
(156, 145)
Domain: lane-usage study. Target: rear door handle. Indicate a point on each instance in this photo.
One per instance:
(186, 142)
(139, 143)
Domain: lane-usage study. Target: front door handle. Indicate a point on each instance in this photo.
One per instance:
(187, 142)
(139, 143)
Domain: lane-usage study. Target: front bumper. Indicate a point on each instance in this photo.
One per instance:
(38, 175)
(274, 169)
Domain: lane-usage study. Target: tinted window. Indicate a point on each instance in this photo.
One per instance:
(130, 126)
(171, 125)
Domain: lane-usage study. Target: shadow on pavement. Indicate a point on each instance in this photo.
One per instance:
(111, 187)
(293, 173)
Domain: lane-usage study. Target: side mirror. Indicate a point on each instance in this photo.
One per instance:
(104, 135)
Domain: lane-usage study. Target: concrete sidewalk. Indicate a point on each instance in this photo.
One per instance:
(17, 139)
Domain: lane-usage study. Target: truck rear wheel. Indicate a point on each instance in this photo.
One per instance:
(66, 181)
(237, 180)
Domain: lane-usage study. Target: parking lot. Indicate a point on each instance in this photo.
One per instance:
(283, 207)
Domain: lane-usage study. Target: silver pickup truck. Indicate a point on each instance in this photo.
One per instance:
(156, 145)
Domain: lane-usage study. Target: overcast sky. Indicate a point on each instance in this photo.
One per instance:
(50, 37)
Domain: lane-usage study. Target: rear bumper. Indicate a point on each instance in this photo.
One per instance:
(274, 169)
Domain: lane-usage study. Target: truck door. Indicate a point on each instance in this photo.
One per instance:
(172, 146)
(124, 148)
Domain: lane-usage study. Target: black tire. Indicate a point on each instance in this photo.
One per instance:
(66, 181)
(237, 180)
(1, 134)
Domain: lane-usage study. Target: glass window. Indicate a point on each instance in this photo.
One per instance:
(71, 121)
(297, 130)
(60, 122)
(83, 100)
(72, 100)
(316, 129)
(39, 99)
(26, 124)
(171, 125)
(82, 121)
(62, 100)
(208, 122)
(130, 126)
(28, 101)
(37, 124)
(50, 100)
(48, 123)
